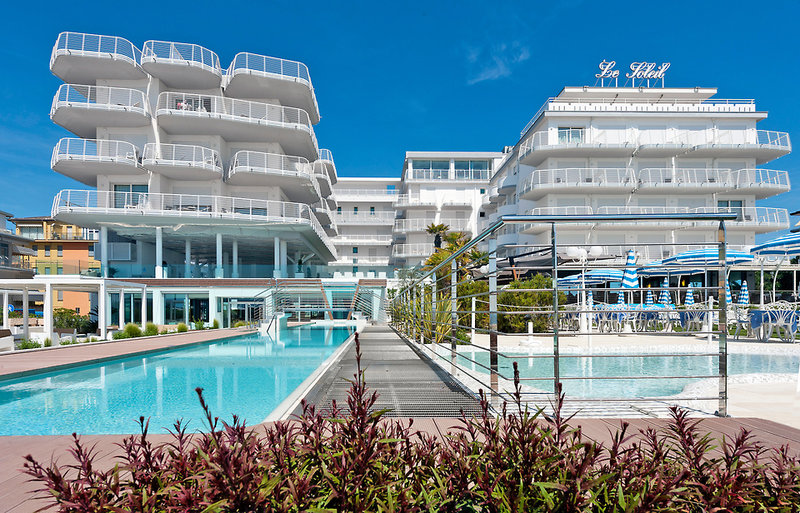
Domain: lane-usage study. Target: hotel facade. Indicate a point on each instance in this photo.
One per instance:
(209, 186)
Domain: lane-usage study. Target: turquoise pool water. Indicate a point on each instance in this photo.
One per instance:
(657, 367)
(248, 375)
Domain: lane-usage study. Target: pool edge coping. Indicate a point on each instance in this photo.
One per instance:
(292, 401)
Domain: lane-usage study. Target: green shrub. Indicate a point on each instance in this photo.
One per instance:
(48, 342)
(93, 339)
(66, 318)
(240, 324)
(215, 325)
(164, 331)
(182, 327)
(132, 330)
(119, 335)
(69, 342)
(28, 344)
(199, 325)
(150, 330)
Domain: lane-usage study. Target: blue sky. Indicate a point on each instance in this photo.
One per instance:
(392, 77)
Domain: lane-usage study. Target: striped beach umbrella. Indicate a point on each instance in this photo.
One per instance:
(593, 277)
(664, 298)
(649, 299)
(779, 246)
(708, 256)
(630, 280)
(744, 294)
(689, 301)
(621, 297)
(728, 296)
(658, 268)
(589, 298)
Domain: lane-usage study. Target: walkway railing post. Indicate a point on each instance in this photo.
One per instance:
(493, 312)
(556, 370)
(723, 322)
(453, 308)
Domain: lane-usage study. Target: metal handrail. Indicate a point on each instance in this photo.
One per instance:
(251, 62)
(420, 225)
(181, 53)
(181, 155)
(325, 154)
(100, 97)
(94, 150)
(78, 43)
(262, 162)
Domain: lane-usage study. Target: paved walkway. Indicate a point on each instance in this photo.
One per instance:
(407, 384)
(21, 363)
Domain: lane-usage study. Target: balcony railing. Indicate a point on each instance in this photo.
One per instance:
(413, 200)
(181, 155)
(421, 225)
(181, 53)
(362, 194)
(362, 239)
(251, 62)
(413, 250)
(100, 97)
(325, 154)
(269, 163)
(76, 43)
(584, 177)
(692, 177)
(746, 178)
(187, 206)
(203, 105)
(365, 218)
(94, 150)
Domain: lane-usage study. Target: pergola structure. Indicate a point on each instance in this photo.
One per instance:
(47, 284)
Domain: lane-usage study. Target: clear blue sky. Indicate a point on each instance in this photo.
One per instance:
(392, 77)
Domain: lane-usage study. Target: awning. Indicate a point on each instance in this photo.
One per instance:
(22, 250)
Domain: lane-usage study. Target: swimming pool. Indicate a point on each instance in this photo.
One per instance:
(582, 367)
(247, 375)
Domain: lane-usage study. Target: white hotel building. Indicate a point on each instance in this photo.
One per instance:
(613, 150)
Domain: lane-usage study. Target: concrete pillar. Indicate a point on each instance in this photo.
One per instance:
(284, 259)
(5, 310)
(144, 306)
(219, 271)
(187, 260)
(235, 250)
(104, 251)
(158, 307)
(159, 252)
(121, 312)
(102, 301)
(276, 257)
(213, 313)
(186, 308)
(48, 311)
(26, 332)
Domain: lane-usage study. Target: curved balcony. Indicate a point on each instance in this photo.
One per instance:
(762, 182)
(182, 65)
(422, 250)
(84, 159)
(763, 145)
(578, 180)
(326, 159)
(760, 219)
(323, 180)
(81, 109)
(84, 58)
(237, 120)
(292, 174)
(243, 216)
(684, 179)
(260, 77)
(182, 161)
(575, 143)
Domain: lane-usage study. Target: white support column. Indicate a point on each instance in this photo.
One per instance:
(235, 251)
(186, 305)
(121, 311)
(219, 271)
(213, 313)
(5, 310)
(159, 252)
(158, 307)
(276, 257)
(284, 259)
(187, 260)
(102, 301)
(104, 251)
(25, 329)
(48, 310)
(144, 306)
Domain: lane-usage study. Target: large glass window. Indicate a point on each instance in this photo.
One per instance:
(60, 250)
(735, 206)
(128, 195)
(567, 135)
(472, 169)
(5, 254)
(31, 232)
(431, 169)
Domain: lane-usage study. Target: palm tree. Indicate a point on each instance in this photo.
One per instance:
(437, 230)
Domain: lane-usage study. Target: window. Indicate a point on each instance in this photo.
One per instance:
(372, 211)
(482, 214)
(483, 191)
(91, 250)
(128, 195)
(47, 250)
(60, 250)
(60, 270)
(31, 232)
(5, 254)
(355, 211)
(60, 295)
(736, 206)
(47, 270)
(472, 169)
(431, 169)
(35, 248)
(567, 135)
(355, 269)
(355, 250)
(339, 210)
(69, 232)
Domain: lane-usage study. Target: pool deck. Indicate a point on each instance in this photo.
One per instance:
(22, 363)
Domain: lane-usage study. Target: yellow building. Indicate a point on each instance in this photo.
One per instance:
(61, 248)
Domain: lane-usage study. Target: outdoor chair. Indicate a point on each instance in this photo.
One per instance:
(739, 316)
(781, 315)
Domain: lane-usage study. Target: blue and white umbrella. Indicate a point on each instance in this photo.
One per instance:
(708, 256)
(649, 299)
(664, 298)
(589, 298)
(630, 280)
(621, 297)
(593, 277)
(658, 268)
(728, 296)
(785, 245)
(689, 301)
(744, 294)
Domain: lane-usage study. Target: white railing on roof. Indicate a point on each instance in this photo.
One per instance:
(76, 43)
(251, 62)
(94, 150)
(181, 155)
(179, 53)
(188, 206)
(100, 97)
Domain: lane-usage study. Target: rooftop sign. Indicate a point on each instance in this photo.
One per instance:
(642, 71)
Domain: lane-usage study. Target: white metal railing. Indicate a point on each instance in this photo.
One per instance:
(365, 218)
(423, 249)
(695, 177)
(245, 62)
(181, 155)
(571, 177)
(181, 53)
(94, 150)
(778, 217)
(457, 202)
(325, 154)
(639, 105)
(269, 163)
(188, 206)
(203, 105)
(100, 97)
(561, 211)
(413, 200)
(357, 237)
(745, 178)
(76, 43)
(420, 225)
(388, 194)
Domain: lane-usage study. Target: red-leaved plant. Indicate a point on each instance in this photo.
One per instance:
(355, 459)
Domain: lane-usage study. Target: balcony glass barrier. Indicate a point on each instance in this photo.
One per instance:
(180, 53)
(95, 150)
(181, 155)
(94, 44)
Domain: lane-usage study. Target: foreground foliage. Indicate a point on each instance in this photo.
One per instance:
(355, 459)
